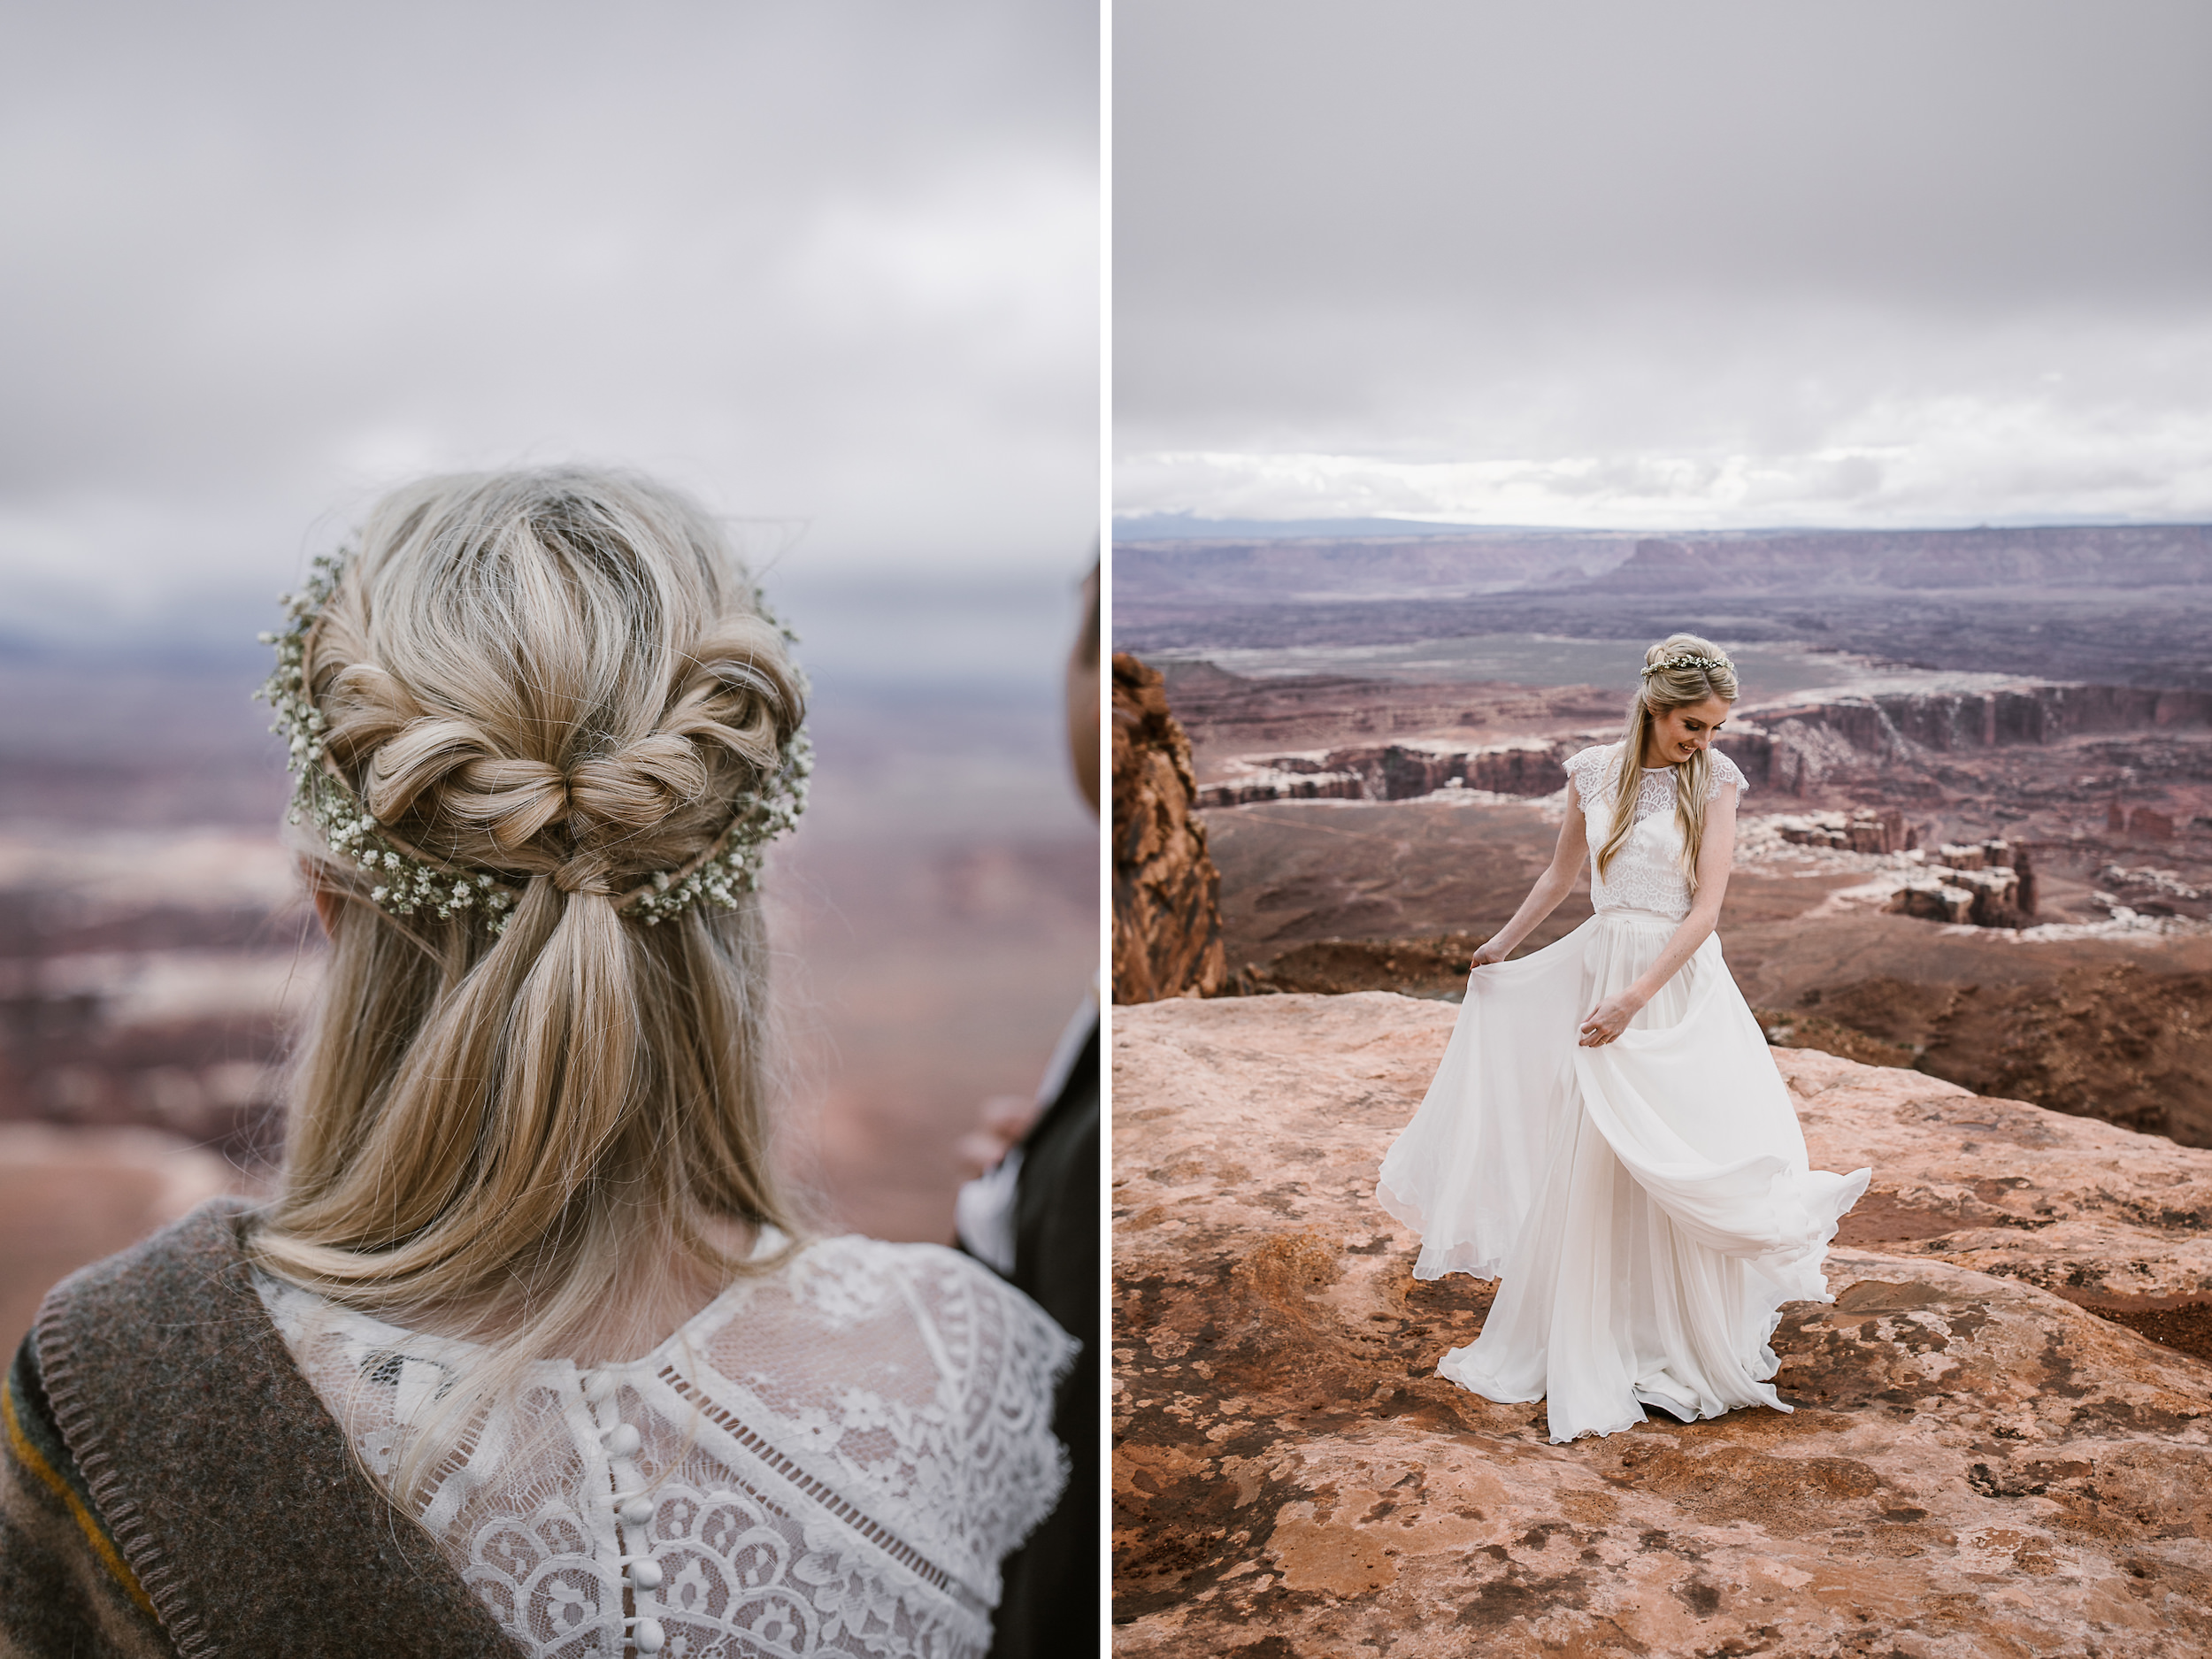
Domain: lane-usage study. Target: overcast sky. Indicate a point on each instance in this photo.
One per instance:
(1624, 264)
(825, 262)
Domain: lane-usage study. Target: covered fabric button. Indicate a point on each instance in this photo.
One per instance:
(648, 1636)
(637, 1511)
(646, 1575)
(623, 1440)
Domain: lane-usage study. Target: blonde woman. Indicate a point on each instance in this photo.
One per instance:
(1607, 1134)
(529, 1353)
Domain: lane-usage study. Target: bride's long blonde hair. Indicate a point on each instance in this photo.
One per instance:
(1679, 670)
(560, 677)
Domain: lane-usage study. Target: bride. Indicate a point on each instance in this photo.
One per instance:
(1607, 1133)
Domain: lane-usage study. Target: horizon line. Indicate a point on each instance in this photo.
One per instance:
(1410, 526)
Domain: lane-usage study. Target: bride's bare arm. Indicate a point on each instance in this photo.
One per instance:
(1715, 858)
(1556, 883)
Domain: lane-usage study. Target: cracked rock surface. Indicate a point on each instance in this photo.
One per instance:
(1979, 1463)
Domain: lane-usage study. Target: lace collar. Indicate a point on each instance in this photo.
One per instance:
(690, 1335)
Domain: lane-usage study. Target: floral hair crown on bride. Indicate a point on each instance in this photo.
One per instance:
(1686, 661)
(410, 880)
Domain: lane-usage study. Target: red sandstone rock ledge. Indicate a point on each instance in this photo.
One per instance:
(1976, 1466)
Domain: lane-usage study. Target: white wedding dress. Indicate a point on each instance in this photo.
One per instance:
(1646, 1204)
(828, 1458)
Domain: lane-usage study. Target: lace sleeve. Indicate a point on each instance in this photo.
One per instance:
(923, 1385)
(1586, 770)
(1726, 771)
(1013, 1468)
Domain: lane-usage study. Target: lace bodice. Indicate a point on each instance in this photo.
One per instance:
(829, 1459)
(1646, 872)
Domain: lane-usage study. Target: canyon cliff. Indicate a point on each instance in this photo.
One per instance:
(1167, 919)
(1796, 748)
(1989, 1452)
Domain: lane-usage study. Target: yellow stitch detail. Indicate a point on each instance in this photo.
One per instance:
(102, 1546)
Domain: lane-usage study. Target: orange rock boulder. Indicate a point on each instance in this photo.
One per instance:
(1167, 918)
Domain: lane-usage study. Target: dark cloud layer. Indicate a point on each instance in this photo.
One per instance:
(829, 262)
(1690, 263)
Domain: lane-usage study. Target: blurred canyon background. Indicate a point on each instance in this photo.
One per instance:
(834, 270)
(935, 915)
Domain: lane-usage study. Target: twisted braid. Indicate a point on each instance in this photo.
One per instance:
(543, 689)
(595, 825)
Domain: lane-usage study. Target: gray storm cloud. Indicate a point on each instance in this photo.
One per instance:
(832, 263)
(1690, 264)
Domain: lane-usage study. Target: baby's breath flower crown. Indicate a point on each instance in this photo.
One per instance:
(1686, 661)
(410, 881)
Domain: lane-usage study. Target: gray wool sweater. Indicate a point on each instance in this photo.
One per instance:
(173, 1484)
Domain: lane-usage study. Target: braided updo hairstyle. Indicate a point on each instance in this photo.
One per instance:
(1680, 671)
(558, 678)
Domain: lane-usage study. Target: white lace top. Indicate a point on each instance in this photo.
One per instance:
(1646, 872)
(831, 1459)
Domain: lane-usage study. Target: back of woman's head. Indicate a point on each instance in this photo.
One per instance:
(542, 726)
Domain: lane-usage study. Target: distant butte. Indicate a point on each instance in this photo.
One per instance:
(1797, 563)
(2126, 604)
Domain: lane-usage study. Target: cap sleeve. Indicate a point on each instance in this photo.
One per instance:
(1726, 771)
(1586, 770)
(1013, 1466)
(920, 1386)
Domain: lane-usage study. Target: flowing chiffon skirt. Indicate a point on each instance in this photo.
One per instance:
(1646, 1204)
